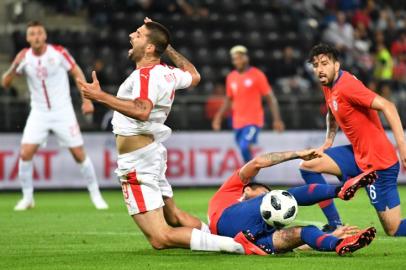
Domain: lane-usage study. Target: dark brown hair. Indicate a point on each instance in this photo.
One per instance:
(159, 36)
(325, 49)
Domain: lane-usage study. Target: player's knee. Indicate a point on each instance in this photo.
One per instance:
(25, 155)
(159, 241)
(311, 166)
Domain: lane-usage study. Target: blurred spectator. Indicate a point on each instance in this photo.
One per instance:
(383, 60)
(340, 33)
(362, 16)
(215, 101)
(289, 73)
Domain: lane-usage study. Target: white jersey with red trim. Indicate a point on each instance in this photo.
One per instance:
(47, 77)
(158, 85)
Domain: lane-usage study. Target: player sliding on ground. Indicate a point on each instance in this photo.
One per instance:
(141, 107)
(46, 67)
(354, 108)
(234, 210)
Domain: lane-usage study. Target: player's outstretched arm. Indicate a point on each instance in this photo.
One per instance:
(216, 123)
(273, 104)
(181, 62)
(9, 75)
(138, 109)
(392, 116)
(77, 74)
(253, 167)
(332, 128)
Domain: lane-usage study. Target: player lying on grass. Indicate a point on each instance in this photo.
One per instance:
(234, 210)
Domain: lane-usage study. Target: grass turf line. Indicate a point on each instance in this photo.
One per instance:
(64, 231)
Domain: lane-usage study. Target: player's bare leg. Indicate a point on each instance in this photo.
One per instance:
(391, 219)
(25, 170)
(161, 236)
(176, 217)
(324, 164)
(89, 174)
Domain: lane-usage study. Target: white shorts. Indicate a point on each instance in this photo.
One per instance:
(143, 180)
(62, 123)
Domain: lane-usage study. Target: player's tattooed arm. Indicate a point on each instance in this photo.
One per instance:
(332, 128)
(181, 62)
(253, 167)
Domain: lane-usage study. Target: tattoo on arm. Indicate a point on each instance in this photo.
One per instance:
(139, 105)
(332, 126)
(179, 60)
(278, 157)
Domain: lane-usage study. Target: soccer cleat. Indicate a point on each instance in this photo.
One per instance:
(352, 185)
(246, 239)
(24, 204)
(99, 202)
(356, 241)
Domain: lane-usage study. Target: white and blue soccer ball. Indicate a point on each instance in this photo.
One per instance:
(278, 208)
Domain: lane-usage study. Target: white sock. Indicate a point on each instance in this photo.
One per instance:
(89, 174)
(205, 228)
(209, 242)
(25, 169)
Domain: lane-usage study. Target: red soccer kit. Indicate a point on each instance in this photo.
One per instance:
(246, 91)
(228, 194)
(350, 102)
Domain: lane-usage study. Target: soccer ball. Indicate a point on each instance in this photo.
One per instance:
(278, 208)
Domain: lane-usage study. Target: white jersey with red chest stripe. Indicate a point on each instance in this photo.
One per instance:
(47, 77)
(158, 85)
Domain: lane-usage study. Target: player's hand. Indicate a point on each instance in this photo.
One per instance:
(278, 126)
(327, 144)
(87, 107)
(146, 20)
(216, 123)
(308, 154)
(92, 90)
(402, 154)
(345, 231)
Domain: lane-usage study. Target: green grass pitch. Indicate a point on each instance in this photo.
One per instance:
(64, 231)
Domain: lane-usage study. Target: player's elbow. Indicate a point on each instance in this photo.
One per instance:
(140, 116)
(195, 79)
(259, 163)
(5, 83)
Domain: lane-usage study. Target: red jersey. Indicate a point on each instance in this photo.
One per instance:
(228, 194)
(246, 91)
(350, 102)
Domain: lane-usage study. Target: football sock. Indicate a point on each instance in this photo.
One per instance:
(205, 228)
(25, 169)
(89, 174)
(245, 150)
(209, 242)
(401, 229)
(328, 207)
(314, 193)
(317, 239)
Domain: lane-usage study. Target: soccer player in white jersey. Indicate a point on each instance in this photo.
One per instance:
(141, 107)
(46, 68)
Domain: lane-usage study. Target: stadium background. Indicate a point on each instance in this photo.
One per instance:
(371, 36)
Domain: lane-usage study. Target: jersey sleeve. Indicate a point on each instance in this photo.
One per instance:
(263, 84)
(67, 61)
(183, 78)
(358, 94)
(233, 184)
(147, 89)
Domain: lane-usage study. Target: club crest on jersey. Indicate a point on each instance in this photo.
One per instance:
(335, 105)
(248, 82)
